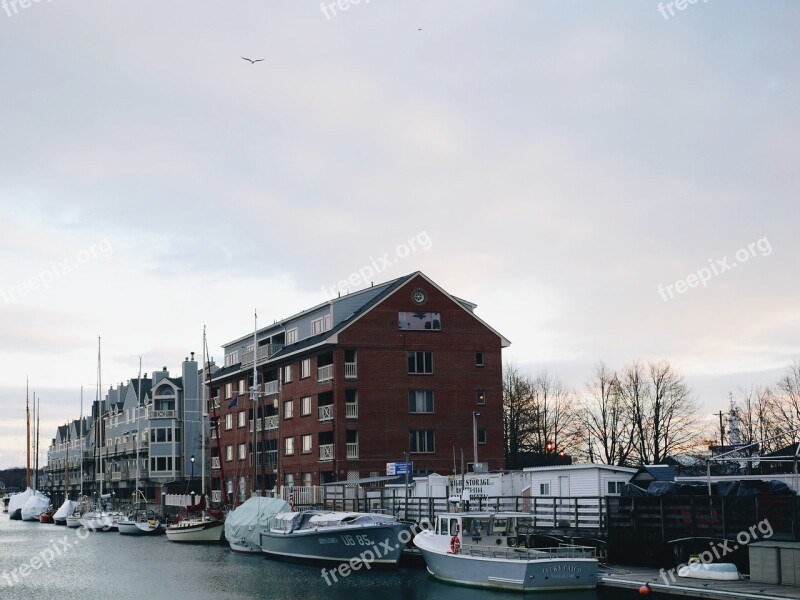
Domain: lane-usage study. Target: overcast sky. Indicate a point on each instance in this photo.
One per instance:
(574, 168)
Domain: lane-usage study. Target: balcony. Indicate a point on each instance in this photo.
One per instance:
(351, 410)
(215, 462)
(324, 373)
(272, 457)
(350, 370)
(215, 403)
(352, 451)
(265, 352)
(271, 423)
(159, 414)
(325, 413)
(270, 388)
(326, 453)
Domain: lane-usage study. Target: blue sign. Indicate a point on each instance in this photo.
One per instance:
(399, 468)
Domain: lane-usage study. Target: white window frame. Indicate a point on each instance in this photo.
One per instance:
(287, 374)
(229, 390)
(317, 326)
(305, 368)
(544, 489)
(242, 418)
(242, 451)
(288, 446)
(307, 444)
(228, 453)
(291, 336)
(305, 406)
(288, 409)
(228, 421)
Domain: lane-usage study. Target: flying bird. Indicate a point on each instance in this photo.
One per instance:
(251, 61)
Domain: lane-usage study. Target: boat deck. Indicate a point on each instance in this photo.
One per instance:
(633, 578)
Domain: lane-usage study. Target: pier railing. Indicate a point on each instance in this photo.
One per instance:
(587, 514)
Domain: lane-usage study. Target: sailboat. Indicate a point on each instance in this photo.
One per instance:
(17, 501)
(140, 521)
(200, 526)
(73, 519)
(100, 519)
(37, 503)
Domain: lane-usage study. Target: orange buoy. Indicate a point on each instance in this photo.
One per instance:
(644, 590)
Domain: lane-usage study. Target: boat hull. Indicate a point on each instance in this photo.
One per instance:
(207, 532)
(45, 518)
(73, 522)
(138, 528)
(514, 574)
(60, 522)
(381, 545)
(16, 515)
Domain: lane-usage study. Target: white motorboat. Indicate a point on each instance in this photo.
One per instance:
(100, 520)
(490, 550)
(335, 537)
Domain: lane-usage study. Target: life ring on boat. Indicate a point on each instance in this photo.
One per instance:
(455, 544)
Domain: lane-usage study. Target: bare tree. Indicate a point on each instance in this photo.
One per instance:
(672, 414)
(555, 418)
(608, 427)
(517, 417)
(787, 404)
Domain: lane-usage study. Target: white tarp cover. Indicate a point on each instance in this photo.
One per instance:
(66, 509)
(244, 525)
(18, 500)
(35, 506)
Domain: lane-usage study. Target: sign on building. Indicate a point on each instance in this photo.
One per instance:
(479, 486)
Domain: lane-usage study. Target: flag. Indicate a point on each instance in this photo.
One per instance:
(234, 402)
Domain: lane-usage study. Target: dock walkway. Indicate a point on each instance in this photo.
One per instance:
(633, 578)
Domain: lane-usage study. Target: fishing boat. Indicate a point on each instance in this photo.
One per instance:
(335, 537)
(243, 526)
(490, 550)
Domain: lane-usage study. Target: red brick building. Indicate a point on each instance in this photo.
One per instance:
(354, 383)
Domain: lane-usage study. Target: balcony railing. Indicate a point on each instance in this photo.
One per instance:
(215, 462)
(271, 423)
(324, 373)
(325, 413)
(264, 352)
(351, 410)
(270, 388)
(352, 450)
(215, 402)
(159, 414)
(350, 370)
(326, 452)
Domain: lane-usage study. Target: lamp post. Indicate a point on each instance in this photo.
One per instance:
(475, 415)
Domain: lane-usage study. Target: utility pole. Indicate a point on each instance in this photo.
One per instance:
(721, 431)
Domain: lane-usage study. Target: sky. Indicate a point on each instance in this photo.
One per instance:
(606, 181)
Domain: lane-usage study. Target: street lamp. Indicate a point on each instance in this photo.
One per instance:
(191, 477)
(475, 415)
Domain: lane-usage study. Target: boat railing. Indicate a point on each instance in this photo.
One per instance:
(514, 553)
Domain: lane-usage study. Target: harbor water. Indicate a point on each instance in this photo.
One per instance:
(46, 561)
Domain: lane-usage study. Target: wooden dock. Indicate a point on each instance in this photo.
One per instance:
(632, 578)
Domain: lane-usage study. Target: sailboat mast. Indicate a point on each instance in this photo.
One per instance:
(203, 409)
(28, 439)
(36, 461)
(80, 443)
(66, 467)
(138, 433)
(254, 402)
(99, 421)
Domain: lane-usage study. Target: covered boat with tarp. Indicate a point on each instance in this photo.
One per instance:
(243, 526)
(65, 510)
